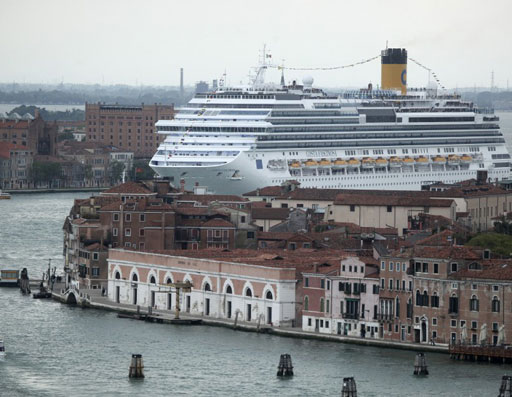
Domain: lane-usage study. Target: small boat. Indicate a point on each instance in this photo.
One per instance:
(295, 164)
(422, 160)
(4, 196)
(9, 278)
(42, 295)
(2, 348)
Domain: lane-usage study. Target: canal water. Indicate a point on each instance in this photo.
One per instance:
(59, 350)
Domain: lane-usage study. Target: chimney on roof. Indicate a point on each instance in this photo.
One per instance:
(315, 268)
(36, 113)
(182, 185)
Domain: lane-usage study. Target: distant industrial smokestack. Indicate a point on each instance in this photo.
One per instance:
(394, 69)
(181, 82)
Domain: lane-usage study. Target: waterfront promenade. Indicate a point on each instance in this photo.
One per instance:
(93, 298)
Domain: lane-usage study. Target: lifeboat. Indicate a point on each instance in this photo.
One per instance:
(311, 164)
(466, 159)
(422, 160)
(408, 161)
(368, 162)
(353, 163)
(439, 160)
(295, 164)
(324, 163)
(453, 159)
(339, 164)
(381, 162)
(395, 162)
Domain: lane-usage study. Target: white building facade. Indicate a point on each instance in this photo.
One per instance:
(220, 289)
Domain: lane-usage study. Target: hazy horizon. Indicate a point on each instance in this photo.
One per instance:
(146, 43)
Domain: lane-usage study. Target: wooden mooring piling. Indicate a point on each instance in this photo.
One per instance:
(349, 387)
(285, 367)
(420, 364)
(506, 386)
(136, 367)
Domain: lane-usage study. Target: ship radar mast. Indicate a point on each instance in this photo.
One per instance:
(259, 78)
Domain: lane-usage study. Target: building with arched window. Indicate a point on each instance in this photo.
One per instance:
(231, 288)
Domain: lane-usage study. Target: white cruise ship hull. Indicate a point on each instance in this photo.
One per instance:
(242, 175)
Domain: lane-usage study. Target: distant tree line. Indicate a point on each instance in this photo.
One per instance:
(126, 95)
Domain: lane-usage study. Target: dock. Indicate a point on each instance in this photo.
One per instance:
(481, 353)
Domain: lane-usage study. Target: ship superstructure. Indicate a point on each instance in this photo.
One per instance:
(237, 139)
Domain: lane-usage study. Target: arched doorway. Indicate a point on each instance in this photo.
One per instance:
(423, 330)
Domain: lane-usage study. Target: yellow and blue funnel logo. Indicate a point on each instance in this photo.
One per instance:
(394, 69)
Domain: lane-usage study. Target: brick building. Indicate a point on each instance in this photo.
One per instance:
(129, 128)
(37, 135)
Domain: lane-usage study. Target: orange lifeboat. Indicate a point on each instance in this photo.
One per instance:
(368, 162)
(339, 164)
(353, 163)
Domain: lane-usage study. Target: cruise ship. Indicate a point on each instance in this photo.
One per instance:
(236, 139)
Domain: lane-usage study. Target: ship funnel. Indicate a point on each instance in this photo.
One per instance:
(394, 69)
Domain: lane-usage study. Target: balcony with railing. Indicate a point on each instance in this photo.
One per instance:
(350, 316)
(385, 317)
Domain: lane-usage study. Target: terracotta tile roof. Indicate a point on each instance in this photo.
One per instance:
(96, 247)
(270, 213)
(445, 238)
(85, 222)
(385, 199)
(275, 235)
(141, 205)
(452, 252)
(490, 270)
(190, 211)
(128, 188)
(7, 147)
(271, 191)
(16, 124)
(301, 260)
(189, 223)
(260, 204)
(217, 222)
(311, 194)
(352, 228)
(208, 198)
(470, 189)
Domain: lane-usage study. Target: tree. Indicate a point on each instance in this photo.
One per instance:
(500, 244)
(88, 172)
(45, 172)
(141, 170)
(116, 172)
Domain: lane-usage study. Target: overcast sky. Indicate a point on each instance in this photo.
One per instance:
(146, 42)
